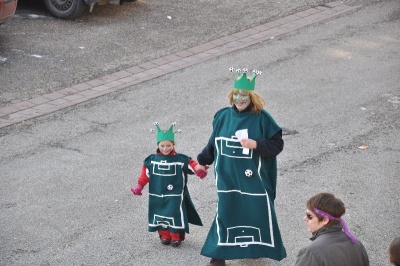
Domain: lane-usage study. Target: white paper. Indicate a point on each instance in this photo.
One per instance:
(243, 134)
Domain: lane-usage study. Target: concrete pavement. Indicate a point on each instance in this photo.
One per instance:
(67, 97)
(334, 86)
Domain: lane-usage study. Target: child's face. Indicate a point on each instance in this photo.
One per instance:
(165, 146)
(241, 99)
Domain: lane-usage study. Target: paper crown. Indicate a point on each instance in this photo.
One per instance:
(242, 82)
(165, 134)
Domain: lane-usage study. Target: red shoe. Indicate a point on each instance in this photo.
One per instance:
(216, 262)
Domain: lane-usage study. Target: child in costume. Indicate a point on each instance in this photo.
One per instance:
(170, 206)
(243, 146)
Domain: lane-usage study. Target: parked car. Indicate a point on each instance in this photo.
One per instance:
(70, 9)
(7, 9)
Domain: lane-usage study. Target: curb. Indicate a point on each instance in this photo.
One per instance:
(49, 103)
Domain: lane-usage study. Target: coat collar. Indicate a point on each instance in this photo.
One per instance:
(326, 230)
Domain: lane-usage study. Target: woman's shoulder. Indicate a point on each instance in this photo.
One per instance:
(222, 112)
(265, 113)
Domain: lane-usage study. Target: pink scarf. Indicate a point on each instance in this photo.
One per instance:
(342, 221)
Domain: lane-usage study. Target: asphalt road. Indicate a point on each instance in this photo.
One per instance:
(333, 86)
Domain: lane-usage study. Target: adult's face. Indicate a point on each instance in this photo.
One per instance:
(241, 99)
(313, 224)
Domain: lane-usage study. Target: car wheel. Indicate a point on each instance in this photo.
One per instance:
(65, 9)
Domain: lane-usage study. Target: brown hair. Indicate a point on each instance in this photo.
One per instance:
(256, 100)
(328, 203)
(394, 251)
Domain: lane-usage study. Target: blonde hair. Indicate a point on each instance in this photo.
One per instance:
(256, 100)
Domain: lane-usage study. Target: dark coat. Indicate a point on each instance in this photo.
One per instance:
(330, 246)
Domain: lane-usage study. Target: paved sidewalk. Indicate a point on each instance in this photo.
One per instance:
(91, 89)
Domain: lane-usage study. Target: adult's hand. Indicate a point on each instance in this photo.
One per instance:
(201, 171)
(248, 143)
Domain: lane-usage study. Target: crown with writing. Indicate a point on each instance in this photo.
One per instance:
(165, 134)
(242, 81)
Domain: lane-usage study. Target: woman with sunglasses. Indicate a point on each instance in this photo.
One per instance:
(331, 243)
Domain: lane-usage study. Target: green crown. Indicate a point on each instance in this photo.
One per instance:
(165, 134)
(242, 82)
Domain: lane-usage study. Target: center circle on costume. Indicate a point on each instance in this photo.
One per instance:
(170, 187)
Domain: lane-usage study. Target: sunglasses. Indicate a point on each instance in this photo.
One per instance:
(309, 216)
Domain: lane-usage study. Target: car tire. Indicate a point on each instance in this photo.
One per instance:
(65, 9)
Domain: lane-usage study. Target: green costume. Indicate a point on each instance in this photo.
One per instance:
(170, 206)
(245, 225)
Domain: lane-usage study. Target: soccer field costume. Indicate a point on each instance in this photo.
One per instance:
(170, 205)
(245, 224)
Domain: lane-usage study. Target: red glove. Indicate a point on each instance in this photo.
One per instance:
(201, 173)
(137, 190)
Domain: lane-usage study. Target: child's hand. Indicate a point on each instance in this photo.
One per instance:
(201, 171)
(137, 190)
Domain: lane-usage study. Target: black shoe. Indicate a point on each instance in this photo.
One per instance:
(216, 262)
(176, 243)
(165, 241)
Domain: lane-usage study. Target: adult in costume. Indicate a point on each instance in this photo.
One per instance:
(243, 147)
(332, 243)
(170, 206)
